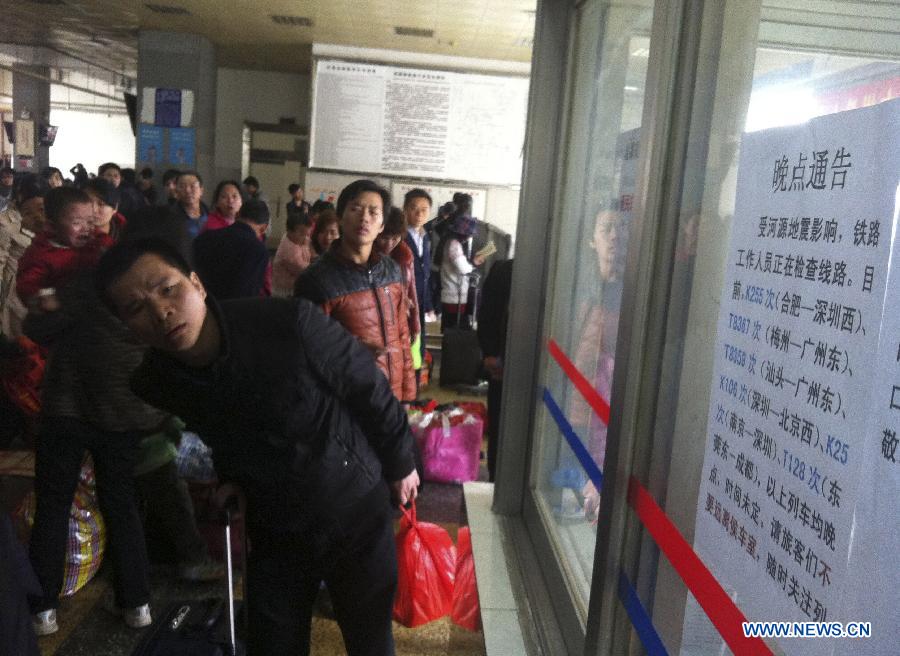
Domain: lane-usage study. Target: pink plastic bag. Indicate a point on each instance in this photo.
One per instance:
(450, 453)
(426, 570)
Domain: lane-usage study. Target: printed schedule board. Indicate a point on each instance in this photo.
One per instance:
(799, 504)
(418, 123)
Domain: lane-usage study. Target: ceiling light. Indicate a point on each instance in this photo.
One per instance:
(414, 31)
(172, 10)
(294, 21)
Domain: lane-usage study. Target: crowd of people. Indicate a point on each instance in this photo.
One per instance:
(157, 311)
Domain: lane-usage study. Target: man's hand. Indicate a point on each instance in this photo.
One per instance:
(494, 367)
(224, 495)
(404, 491)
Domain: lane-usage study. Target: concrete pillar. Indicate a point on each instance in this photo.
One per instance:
(170, 60)
(31, 95)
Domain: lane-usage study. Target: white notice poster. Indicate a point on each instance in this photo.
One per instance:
(418, 123)
(800, 412)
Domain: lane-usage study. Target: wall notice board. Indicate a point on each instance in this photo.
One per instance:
(418, 123)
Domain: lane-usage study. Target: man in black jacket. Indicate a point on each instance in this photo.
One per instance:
(493, 317)
(232, 261)
(299, 417)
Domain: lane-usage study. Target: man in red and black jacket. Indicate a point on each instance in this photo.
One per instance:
(362, 289)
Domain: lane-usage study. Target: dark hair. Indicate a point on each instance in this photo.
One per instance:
(395, 223)
(147, 173)
(48, 172)
(109, 165)
(463, 202)
(254, 211)
(116, 262)
(170, 174)
(321, 206)
(355, 189)
(190, 172)
(326, 218)
(31, 185)
(129, 177)
(293, 187)
(222, 185)
(105, 190)
(251, 181)
(295, 220)
(58, 200)
(412, 194)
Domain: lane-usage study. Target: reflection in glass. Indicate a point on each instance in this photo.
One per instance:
(594, 350)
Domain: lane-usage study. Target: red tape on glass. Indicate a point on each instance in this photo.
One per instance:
(721, 610)
(591, 395)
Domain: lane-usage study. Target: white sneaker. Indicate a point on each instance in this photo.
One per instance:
(45, 622)
(136, 618)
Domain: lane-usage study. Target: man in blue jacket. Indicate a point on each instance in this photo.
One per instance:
(416, 208)
(297, 415)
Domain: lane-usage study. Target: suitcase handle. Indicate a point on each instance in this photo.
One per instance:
(232, 645)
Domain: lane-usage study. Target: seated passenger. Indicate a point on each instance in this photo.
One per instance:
(298, 416)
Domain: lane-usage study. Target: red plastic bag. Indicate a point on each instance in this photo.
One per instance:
(21, 376)
(426, 571)
(466, 611)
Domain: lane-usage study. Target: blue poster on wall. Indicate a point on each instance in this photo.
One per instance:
(168, 108)
(150, 144)
(181, 146)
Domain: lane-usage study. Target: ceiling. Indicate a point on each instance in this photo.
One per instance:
(103, 33)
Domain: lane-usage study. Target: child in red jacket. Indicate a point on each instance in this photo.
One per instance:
(65, 247)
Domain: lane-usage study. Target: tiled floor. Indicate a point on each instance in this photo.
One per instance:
(499, 616)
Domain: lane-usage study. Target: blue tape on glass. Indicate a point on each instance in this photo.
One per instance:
(590, 467)
(639, 618)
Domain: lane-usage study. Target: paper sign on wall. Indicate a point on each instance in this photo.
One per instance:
(181, 146)
(150, 144)
(170, 108)
(418, 123)
(787, 516)
(24, 138)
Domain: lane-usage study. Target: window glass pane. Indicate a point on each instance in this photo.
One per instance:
(777, 64)
(611, 51)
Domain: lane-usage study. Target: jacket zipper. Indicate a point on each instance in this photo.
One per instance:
(381, 323)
